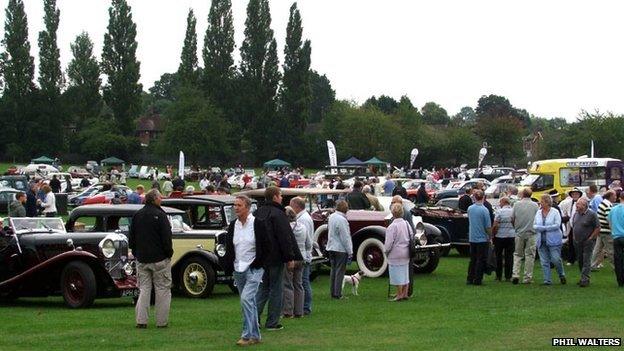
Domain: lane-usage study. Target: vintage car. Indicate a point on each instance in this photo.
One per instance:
(451, 221)
(195, 265)
(459, 188)
(217, 212)
(7, 195)
(39, 258)
(17, 182)
(100, 193)
(412, 186)
(368, 229)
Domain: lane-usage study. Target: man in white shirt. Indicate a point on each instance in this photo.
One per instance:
(203, 183)
(245, 254)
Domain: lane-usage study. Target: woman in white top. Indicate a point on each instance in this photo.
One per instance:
(49, 205)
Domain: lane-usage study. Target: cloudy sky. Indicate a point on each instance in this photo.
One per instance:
(553, 58)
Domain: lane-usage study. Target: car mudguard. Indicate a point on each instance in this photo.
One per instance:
(367, 232)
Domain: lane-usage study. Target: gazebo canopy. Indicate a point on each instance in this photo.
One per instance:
(42, 159)
(376, 162)
(352, 162)
(112, 161)
(275, 163)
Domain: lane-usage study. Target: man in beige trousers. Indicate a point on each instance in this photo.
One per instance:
(522, 217)
(150, 242)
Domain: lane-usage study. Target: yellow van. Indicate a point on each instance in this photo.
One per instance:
(565, 174)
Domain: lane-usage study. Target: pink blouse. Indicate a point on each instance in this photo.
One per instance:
(397, 242)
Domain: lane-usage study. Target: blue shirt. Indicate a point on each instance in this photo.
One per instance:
(595, 202)
(134, 198)
(479, 221)
(388, 186)
(616, 219)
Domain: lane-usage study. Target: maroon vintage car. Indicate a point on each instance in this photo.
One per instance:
(39, 258)
(368, 230)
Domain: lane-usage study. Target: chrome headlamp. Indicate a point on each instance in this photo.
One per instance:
(128, 268)
(109, 245)
(220, 248)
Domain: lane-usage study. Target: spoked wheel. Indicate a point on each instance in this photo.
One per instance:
(371, 258)
(197, 277)
(78, 285)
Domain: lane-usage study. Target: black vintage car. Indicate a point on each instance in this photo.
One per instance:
(206, 211)
(39, 258)
(452, 223)
(215, 212)
(195, 265)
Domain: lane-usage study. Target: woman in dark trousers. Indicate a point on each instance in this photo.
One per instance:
(504, 239)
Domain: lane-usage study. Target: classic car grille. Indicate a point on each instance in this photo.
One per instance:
(115, 265)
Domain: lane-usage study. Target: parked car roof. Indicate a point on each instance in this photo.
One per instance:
(220, 199)
(121, 210)
(296, 192)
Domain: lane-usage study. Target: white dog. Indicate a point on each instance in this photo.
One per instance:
(354, 281)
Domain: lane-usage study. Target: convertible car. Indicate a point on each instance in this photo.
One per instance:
(38, 257)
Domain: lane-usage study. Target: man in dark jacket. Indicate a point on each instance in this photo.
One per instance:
(31, 201)
(357, 199)
(16, 208)
(271, 221)
(150, 242)
(399, 190)
(465, 200)
(55, 184)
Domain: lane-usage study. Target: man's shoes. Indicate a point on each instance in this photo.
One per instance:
(563, 280)
(254, 341)
(162, 326)
(141, 326)
(275, 327)
(297, 316)
(477, 283)
(288, 316)
(568, 264)
(244, 342)
(469, 282)
(584, 284)
(515, 281)
(547, 283)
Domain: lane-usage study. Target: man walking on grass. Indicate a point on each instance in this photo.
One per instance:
(523, 215)
(480, 229)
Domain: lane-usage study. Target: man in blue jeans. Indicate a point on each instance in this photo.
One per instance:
(245, 256)
(305, 220)
(272, 223)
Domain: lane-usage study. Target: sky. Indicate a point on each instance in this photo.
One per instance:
(552, 58)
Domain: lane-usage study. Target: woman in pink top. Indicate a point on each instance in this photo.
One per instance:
(397, 250)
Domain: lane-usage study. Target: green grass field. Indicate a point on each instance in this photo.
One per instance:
(444, 314)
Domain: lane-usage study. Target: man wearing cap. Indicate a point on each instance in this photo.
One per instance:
(585, 229)
(616, 223)
(568, 212)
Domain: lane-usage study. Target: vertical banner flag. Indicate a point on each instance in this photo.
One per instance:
(181, 165)
(482, 154)
(413, 156)
(592, 149)
(331, 150)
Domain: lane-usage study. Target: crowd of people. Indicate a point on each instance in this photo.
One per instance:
(591, 224)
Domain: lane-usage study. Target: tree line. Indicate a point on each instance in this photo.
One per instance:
(246, 112)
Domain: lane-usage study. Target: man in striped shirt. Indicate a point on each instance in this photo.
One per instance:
(604, 243)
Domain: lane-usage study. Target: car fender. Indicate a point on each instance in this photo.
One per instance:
(322, 228)
(367, 232)
(434, 233)
(210, 256)
(52, 264)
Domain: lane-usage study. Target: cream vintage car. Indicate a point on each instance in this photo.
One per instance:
(195, 263)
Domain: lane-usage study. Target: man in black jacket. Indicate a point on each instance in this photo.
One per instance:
(357, 199)
(271, 222)
(245, 257)
(55, 184)
(465, 200)
(399, 190)
(151, 244)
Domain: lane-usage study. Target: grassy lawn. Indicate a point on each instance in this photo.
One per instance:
(444, 314)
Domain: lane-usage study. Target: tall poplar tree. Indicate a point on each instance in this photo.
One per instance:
(188, 59)
(18, 70)
(50, 74)
(123, 90)
(217, 53)
(83, 72)
(296, 93)
(260, 77)
(51, 80)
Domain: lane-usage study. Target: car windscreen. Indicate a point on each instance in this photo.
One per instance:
(26, 224)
